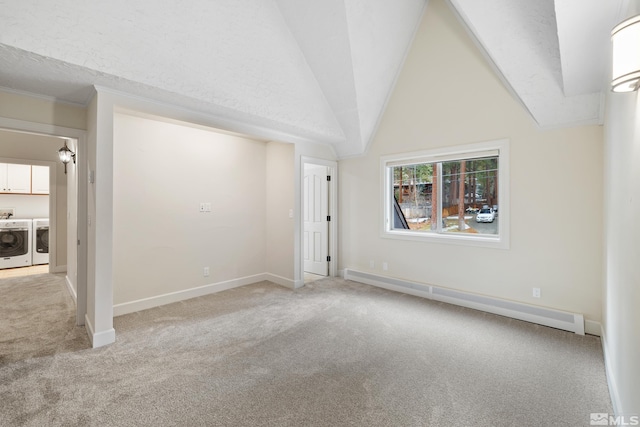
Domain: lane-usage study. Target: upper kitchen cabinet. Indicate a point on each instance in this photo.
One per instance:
(39, 179)
(15, 178)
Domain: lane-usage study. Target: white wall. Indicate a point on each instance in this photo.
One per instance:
(447, 95)
(279, 202)
(26, 206)
(621, 317)
(99, 225)
(41, 110)
(161, 242)
(71, 219)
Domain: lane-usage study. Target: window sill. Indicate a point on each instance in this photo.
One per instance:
(485, 241)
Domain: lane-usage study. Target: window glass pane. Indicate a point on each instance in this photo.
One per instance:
(470, 196)
(413, 197)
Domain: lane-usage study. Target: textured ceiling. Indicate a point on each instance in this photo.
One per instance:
(555, 55)
(299, 71)
(315, 71)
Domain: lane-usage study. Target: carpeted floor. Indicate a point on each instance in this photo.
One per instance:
(333, 353)
(37, 318)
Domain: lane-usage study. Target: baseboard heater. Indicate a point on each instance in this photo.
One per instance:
(564, 320)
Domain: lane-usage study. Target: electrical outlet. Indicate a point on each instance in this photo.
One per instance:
(536, 292)
(6, 213)
(372, 264)
(206, 272)
(202, 207)
(385, 266)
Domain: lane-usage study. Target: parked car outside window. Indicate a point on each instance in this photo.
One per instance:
(486, 215)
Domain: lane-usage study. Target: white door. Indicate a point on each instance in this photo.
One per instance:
(316, 225)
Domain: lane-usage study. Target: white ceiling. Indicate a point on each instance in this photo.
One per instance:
(299, 71)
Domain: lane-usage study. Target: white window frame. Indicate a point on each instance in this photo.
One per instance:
(461, 152)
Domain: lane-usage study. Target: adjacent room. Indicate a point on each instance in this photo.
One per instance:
(343, 213)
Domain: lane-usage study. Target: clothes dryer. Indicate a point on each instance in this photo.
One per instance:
(15, 243)
(40, 246)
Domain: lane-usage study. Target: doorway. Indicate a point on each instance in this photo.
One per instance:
(315, 218)
(318, 219)
(27, 202)
(75, 212)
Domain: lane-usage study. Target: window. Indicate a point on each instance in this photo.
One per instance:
(456, 195)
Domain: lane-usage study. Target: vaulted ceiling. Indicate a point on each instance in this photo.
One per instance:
(294, 70)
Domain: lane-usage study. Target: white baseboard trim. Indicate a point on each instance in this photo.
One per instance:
(101, 338)
(572, 322)
(156, 301)
(72, 291)
(611, 380)
(279, 280)
(59, 269)
(592, 327)
(341, 273)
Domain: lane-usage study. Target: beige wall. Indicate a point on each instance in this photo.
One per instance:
(40, 110)
(161, 242)
(279, 203)
(447, 95)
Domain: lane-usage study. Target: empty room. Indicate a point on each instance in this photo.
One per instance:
(280, 213)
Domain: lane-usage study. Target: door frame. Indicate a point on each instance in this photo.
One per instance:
(53, 246)
(309, 219)
(332, 171)
(81, 138)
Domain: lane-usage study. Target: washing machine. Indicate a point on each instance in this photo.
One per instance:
(40, 246)
(15, 243)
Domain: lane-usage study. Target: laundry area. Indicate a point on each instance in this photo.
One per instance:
(24, 217)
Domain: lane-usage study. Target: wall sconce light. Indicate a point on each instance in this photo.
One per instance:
(625, 39)
(66, 155)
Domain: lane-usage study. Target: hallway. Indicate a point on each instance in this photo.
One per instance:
(38, 318)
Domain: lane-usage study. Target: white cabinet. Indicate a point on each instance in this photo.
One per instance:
(39, 179)
(15, 178)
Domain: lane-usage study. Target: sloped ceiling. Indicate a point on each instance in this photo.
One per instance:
(555, 55)
(295, 70)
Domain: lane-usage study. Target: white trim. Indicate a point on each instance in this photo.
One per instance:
(501, 241)
(279, 280)
(332, 170)
(58, 269)
(48, 98)
(126, 102)
(611, 380)
(592, 327)
(100, 339)
(572, 322)
(159, 300)
(72, 291)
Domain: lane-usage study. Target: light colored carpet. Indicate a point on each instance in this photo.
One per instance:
(310, 277)
(333, 353)
(37, 318)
